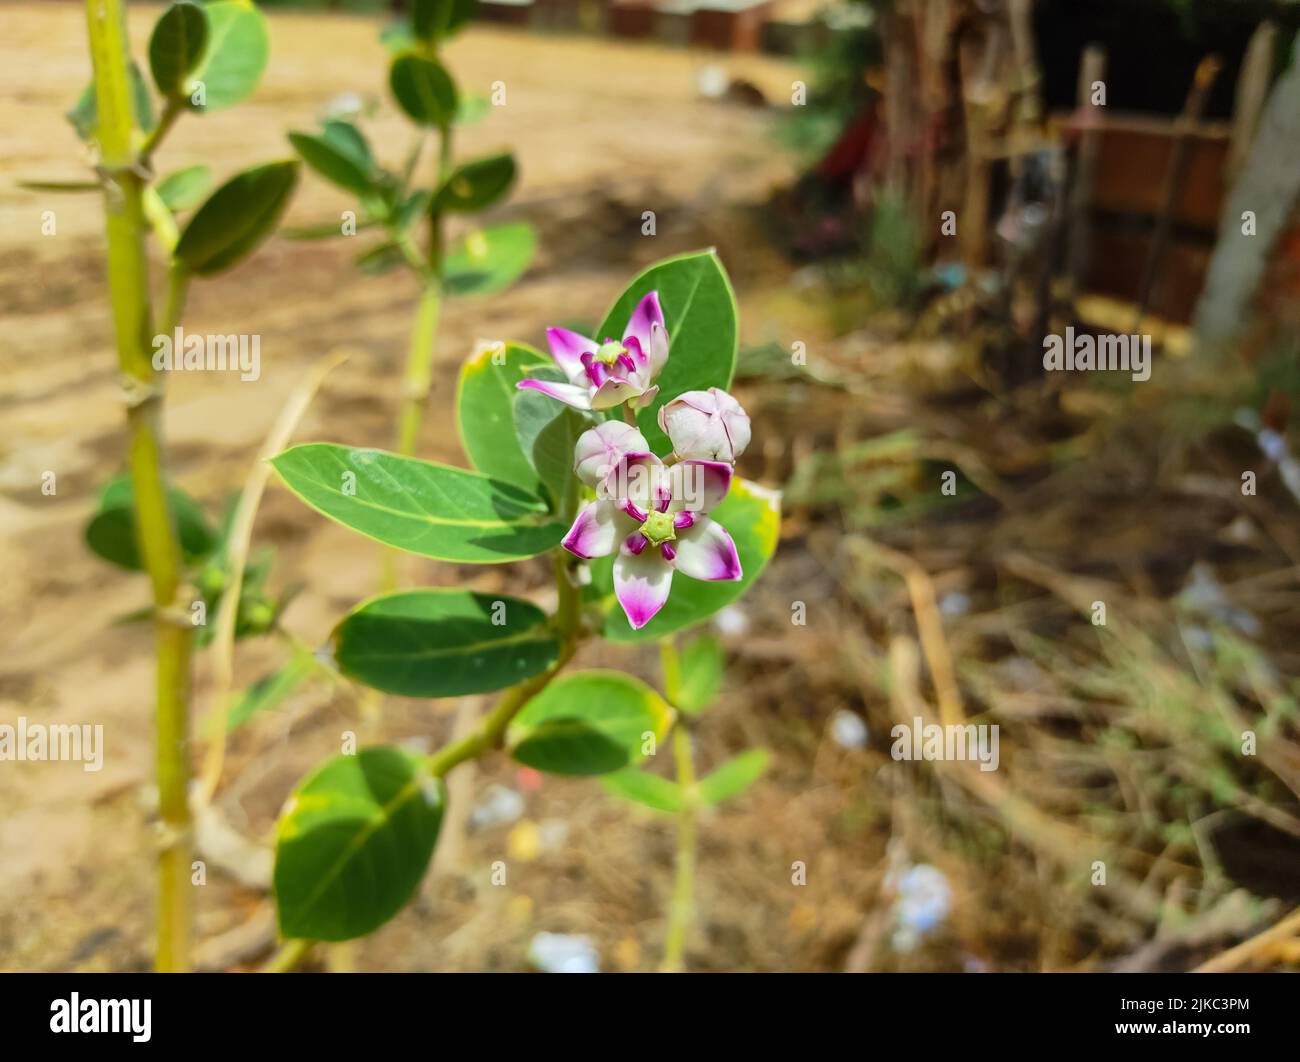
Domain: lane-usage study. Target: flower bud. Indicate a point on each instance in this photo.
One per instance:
(706, 426)
(599, 450)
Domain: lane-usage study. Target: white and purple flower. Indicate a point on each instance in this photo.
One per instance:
(653, 515)
(604, 375)
(706, 425)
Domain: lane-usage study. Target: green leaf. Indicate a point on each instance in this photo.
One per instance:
(379, 260)
(489, 260)
(444, 643)
(752, 515)
(236, 218)
(588, 722)
(84, 114)
(269, 691)
(61, 186)
(353, 842)
(324, 231)
(423, 89)
(340, 154)
(700, 317)
(485, 396)
(641, 787)
(472, 109)
(111, 531)
(702, 666)
(547, 432)
(418, 506)
(476, 185)
(176, 47)
(238, 47)
(432, 20)
(733, 777)
(184, 188)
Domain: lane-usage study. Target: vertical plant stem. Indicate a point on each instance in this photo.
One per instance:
(681, 907)
(128, 279)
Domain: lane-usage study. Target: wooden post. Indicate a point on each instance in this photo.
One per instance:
(1092, 69)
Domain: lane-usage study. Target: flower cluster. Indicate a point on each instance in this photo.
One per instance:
(651, 513)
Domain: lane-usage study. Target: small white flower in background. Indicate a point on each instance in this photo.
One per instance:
(497, 806)
(563, 953)
(848, 730)
(731, 621)
(954, 604)
(924, 901)
(706, 426)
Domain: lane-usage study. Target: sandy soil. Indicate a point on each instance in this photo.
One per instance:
(603, 131)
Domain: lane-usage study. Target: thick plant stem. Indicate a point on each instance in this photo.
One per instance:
(128, 278)
(681, 907)
(419, 367)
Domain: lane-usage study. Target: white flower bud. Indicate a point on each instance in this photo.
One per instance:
(706, 426)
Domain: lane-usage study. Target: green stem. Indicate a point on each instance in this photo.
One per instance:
(681, 907)
(419, 367)
(290, 955)
(172, 110)
(128, 279)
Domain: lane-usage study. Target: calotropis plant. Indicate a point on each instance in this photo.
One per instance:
(615, 496)
(201, 58)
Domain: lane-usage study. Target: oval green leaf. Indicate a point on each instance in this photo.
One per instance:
(236, 218)
(340, 154)
(418, 506)
(489, 260)
(589, 722)
(547, 432)
(485, 396)
(423, 89)
(733, 777)
(176, 47)
(184, 188)
(233, 62)
(700, 317)
(444, 643)
(353, 842)
(752, 515)
(476, 185)
(111, 531)
(641, 787)
(702, 667)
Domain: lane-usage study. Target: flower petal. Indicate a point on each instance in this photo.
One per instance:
(613, 393)
(641, 584)
(567, 348)
(705, 551)
(658, 349)
(646, 314)
(597, 530)
(640, 478)
(569, 394)
(698, 486)
(645, 398)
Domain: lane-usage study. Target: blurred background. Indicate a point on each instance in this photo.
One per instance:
(953, 514)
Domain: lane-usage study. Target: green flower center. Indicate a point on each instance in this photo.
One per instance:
(658, 528)
(610, 352)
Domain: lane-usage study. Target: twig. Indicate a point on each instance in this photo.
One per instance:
(241, 532)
